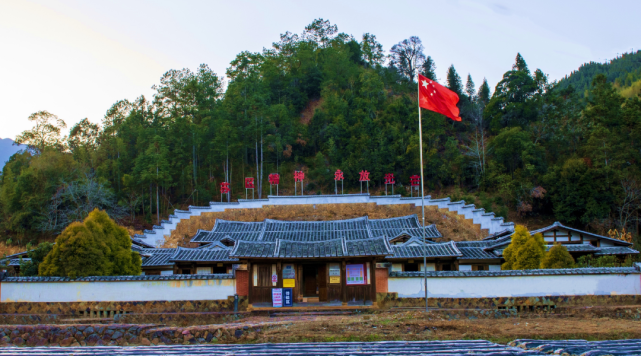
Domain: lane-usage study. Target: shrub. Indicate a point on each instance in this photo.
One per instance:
(558, 257)
(37, 255)
(525, 251)
(95, 247)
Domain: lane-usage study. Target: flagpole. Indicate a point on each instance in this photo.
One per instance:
(420, 146)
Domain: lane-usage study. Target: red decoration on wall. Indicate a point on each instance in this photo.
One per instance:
(274, 178)
(338, 175)
(389, 178)
(415, 181)
(364, 176)
(224, 188)
(299, 176)
(249, 183)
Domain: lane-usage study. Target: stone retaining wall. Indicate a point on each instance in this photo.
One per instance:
(391, 300)
(124, 335)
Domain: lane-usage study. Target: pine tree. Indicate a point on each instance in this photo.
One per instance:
(558, 257)
(520, 65)
(428, 69)
(454, 81)
(484, 93)
(469, 88)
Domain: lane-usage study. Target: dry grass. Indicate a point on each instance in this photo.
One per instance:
(451, 225)
(420, 326)
(6, 250)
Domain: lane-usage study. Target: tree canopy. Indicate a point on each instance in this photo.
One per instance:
(95, 247)
(525, 251)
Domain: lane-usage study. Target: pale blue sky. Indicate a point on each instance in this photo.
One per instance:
(76, 58)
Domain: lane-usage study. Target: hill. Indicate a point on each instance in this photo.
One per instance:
(624, 72)
(7, 149)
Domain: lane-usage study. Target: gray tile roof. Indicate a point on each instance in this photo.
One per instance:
(120, 278)
(310, 231)
(618, 250)
(405, 225)
(576, 247)
(475, 253)
(530, 272)
(254, 249)
(157, 260)
(446, 249)
(376, 246)
(201, 255)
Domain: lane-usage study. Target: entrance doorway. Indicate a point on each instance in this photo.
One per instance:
(315, 282)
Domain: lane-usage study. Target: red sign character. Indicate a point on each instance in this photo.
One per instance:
(274, 178)
(249, 183)
(338, 175)
(224, 188)
(389, 178)
(299, 176)
(415, 181)
(364, 176)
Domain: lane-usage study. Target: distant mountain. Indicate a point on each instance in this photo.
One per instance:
(7, 149)
(624, 72)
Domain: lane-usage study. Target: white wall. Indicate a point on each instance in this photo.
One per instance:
(517, 286)
(121, 291)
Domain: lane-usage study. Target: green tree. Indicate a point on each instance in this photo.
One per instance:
(428, 69)
(45, 133)
(558, 257)
(95, 247)
(36, 256)
(525, 251)
(454, 81)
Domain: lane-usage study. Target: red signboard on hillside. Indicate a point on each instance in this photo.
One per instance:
(249, 183)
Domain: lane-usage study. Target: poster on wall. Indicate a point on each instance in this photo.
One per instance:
(289, 283)
(334, 279)
(288, 297)
(289, 272)
(355, 274)
(277, 297)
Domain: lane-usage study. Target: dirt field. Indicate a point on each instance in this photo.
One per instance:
(418, 326)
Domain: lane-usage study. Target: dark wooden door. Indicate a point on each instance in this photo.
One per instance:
(322, 283)
(311, 284)
(262, 293)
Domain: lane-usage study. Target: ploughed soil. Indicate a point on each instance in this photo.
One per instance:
(421, 326)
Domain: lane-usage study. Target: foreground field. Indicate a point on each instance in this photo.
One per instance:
(419, 326)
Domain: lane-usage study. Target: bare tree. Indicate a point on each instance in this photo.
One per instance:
(478, 147)
(407, 56)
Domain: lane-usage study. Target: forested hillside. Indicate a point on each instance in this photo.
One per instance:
(323, 100)
(624, 72)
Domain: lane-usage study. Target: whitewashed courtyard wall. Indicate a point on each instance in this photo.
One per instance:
(502, 284)
(117, 291)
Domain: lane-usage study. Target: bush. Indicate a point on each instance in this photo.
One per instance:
(603, 261)
(37, 255)
(558, 257)
(525, 251)
(95, 247)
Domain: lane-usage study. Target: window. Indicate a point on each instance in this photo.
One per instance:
(411, 267)
(166, 273)
(186, 271)
(203, 270)
(220, 269)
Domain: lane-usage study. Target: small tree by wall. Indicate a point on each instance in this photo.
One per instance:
(525, 251)
(558, 257)
(95, 247)
(37, 255)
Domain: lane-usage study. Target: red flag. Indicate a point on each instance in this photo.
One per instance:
(435, 97)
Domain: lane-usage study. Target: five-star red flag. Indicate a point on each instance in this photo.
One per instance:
(435, 97)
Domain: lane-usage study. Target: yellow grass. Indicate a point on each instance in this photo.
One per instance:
(451, 225)
(6, 250)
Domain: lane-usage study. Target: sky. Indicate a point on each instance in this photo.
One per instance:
(77, 58)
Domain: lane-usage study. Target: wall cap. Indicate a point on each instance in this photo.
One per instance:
(531, 272)
(174, 277)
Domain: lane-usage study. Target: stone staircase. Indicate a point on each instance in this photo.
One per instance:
(487, 221)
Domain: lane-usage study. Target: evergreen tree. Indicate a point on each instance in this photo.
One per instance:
(558, 257)
(525, 251)
(470, 90)
(454, 82)
(484, 93)
(36, 256)
(520, 65)
(95, 247)
(428, 69)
